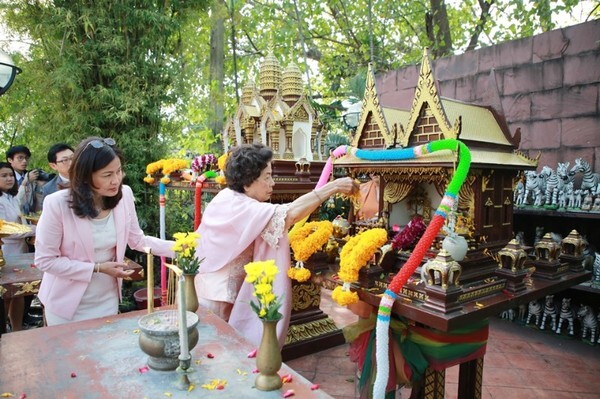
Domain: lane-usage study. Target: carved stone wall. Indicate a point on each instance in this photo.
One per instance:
(547, 85)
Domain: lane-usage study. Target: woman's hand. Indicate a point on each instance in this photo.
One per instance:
(346, 185)
(115, 269)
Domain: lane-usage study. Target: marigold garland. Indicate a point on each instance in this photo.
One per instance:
(354, 255)
(221, 163)
(300, 274)
(343, 296)
(166, 166)
(305, 240)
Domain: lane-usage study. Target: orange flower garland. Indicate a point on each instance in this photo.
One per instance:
(305, 241)
(354, 255)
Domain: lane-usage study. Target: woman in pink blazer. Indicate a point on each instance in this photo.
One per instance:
(82, 235)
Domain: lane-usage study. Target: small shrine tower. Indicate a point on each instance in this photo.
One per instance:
(277, 114)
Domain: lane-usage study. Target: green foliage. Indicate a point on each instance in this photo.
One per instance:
(334, 140)
(334, 206)
(100, 68)
(139, 71)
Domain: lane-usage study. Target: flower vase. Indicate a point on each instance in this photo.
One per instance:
(191, 298)
(268, 358)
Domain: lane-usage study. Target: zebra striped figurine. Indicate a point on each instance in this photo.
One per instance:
(589, 322)
(535, 309)
(549, 311)
(556, 181)
(566, 314)
(590, 179)
(533, 184)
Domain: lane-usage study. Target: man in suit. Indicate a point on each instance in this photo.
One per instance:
(18, 157)
(60, 156)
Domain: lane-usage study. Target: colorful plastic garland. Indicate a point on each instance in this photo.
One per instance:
(209, 174)
(390, 295)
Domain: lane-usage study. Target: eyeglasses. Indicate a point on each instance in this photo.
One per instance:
(22, 158)
(65, 160)
(101, 143)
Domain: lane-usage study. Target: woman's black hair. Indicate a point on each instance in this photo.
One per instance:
(245, 164)
(14, 189)
(91, 155)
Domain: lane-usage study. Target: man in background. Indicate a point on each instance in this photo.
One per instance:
(18, 157)
(60, 156)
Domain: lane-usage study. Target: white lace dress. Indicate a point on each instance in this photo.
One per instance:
(218, 290)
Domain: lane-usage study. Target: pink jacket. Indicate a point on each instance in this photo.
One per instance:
(64, 249)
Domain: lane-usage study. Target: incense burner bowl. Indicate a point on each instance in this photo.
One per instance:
(159, 338)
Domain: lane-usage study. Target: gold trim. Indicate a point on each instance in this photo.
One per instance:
(371, 106)
(30, 287)
(310, 330)
(395, 191)
(427, 93)
(305, 296)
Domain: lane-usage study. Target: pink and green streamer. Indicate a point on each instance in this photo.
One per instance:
(447, 203)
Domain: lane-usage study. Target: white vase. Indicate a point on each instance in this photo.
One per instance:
(456, 246)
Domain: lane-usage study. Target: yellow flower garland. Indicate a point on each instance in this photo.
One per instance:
(305, 240)
(167, 166)
(221, 163)
(354, 255)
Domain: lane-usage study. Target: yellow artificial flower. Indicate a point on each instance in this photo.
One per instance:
(262, 289)
(185, 248)
(261, 275)
(222, 161)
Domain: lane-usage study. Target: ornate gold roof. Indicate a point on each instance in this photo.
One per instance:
(292, 85)
(433, 117)
(248, 91)
(371, 115)
(269, 76)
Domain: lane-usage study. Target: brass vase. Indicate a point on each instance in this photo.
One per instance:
(191, 298)
(268, 358)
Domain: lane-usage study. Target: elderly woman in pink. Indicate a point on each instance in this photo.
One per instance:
(82, 236)
(239, 226)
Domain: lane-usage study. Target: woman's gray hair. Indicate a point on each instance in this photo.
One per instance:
(245, 164)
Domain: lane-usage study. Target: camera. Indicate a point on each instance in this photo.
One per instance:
(44, 176)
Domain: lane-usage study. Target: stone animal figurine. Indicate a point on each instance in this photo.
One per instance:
(508, 314)
(589, 322)
(534, 184)
(596, 271)
(589, 179)
(549, 311)
(587, 201)
(519, 194)
(535, 310)
(566, 314)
